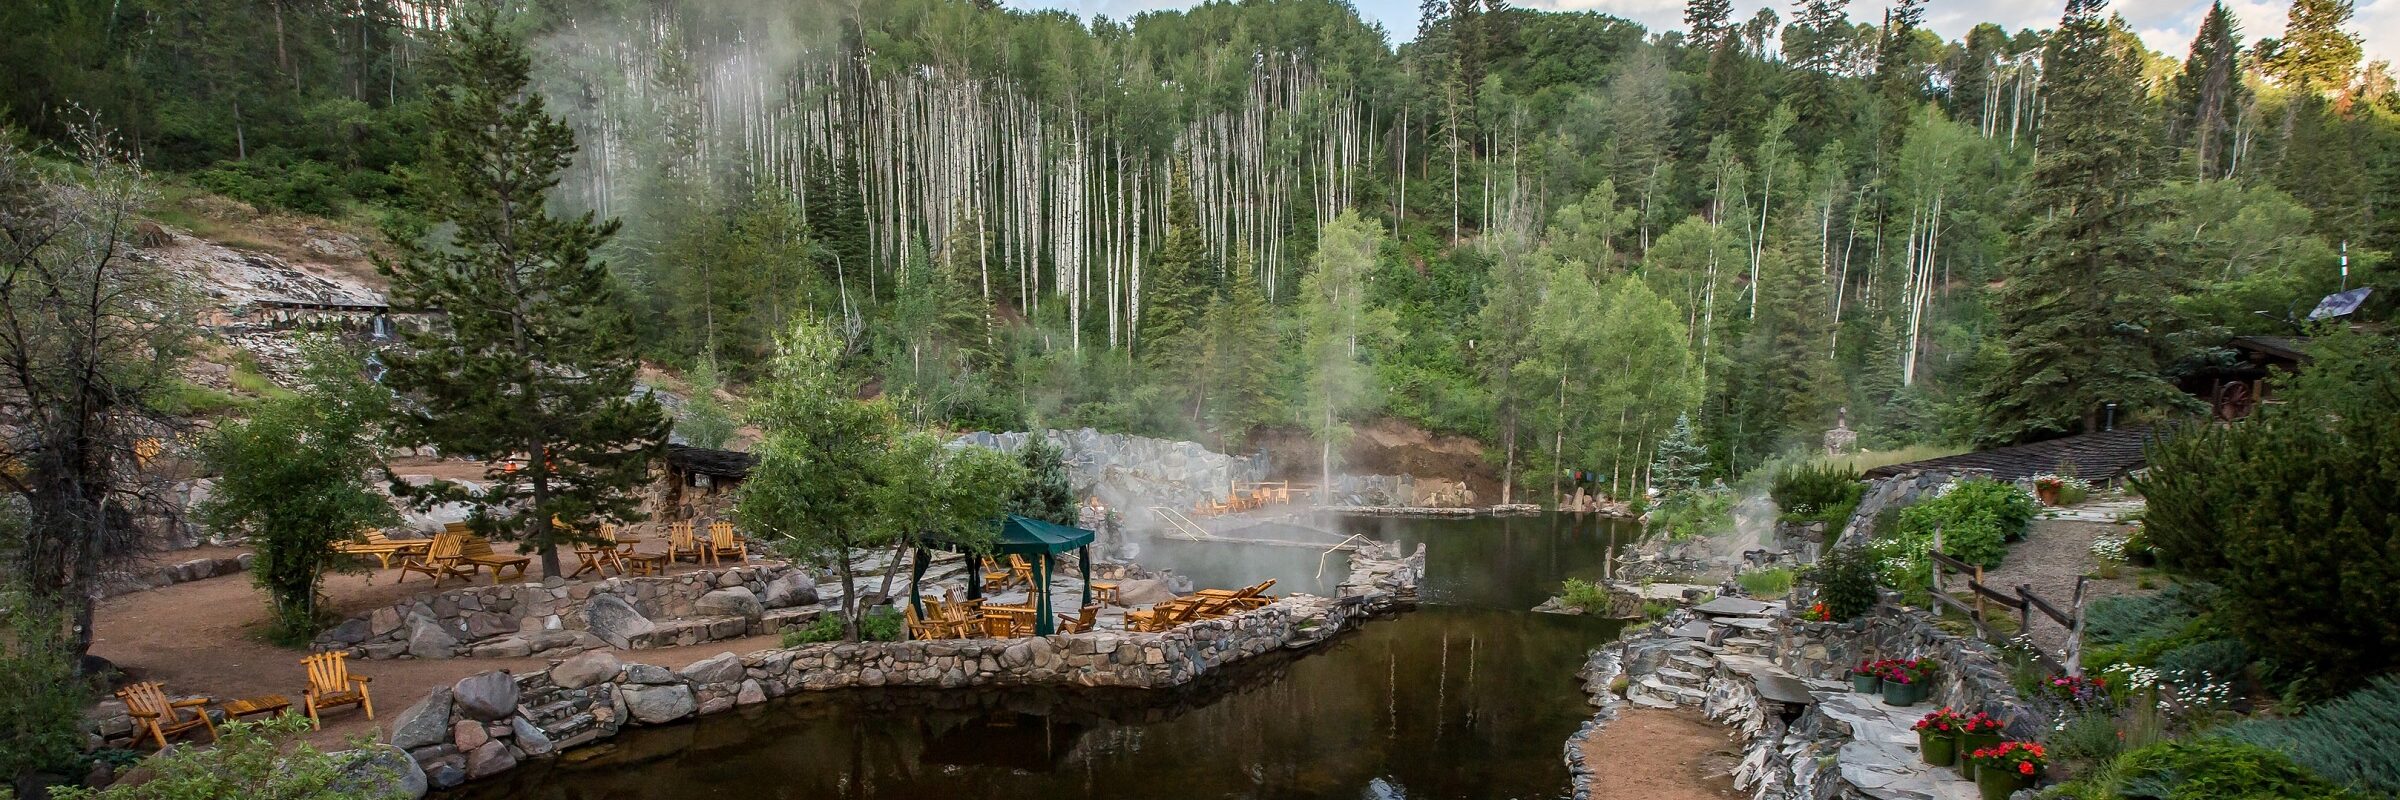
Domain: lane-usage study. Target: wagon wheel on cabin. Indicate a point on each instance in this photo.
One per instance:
(2234, 401)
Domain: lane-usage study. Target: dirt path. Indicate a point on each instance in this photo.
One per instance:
(1650, 754)
(2054, 553)
(204, 637)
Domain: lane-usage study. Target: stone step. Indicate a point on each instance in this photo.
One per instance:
(1694, 663)
(1676, 677)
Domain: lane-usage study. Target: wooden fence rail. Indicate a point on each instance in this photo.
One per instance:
(2021, 600)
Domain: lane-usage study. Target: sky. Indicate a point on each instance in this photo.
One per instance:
(2166, 25)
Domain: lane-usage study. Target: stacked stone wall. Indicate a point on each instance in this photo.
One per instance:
(632, 613)
(491, 722)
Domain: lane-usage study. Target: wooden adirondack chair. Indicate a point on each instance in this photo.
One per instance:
(439, 559)
(1080, 621)
(476, 553)
(918, 629)
(681, 544)
(724, 543)
(330, 685)
(147, 703)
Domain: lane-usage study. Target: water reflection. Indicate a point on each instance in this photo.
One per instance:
(1470, 699)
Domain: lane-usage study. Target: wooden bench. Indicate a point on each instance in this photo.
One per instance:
(476, 553)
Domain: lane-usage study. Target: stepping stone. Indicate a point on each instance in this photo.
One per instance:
(1695, 629)
(1734, 607)
(1784, 689)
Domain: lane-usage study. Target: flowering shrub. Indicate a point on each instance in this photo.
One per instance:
(1911, 670)
(2023, 758)
(1942, 719)
(2182, 696)
(1817, 613)
(2080, 691)
(1980, 723)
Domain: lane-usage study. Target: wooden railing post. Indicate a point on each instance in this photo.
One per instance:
(2075, 632)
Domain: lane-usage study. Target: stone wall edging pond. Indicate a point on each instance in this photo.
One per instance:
(630, 613)
(490, 722)
(1794, 759)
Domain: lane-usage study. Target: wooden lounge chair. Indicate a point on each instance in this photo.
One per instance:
(147, 703)
(1163, 616)
(680, 543)
(439, 559)
(476, 553)
(918, 628)
(1080, 621)
(330, 685)
(381, 546)
(724, 543)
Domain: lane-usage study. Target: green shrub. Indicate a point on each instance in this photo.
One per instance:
(2086, 740)
(2204, 769)
(1655, 610)
(41, 717)
(2125, 619)
(1824, 493)
(1766, 582)
(2337, 740)
(2289, 513)
(2218, 658)
(1976, 518)
(268, 759)
(1845, 580)
(876, 626)
(1591, 597)
(1695, 512)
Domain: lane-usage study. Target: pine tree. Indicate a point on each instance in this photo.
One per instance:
(1681, 460)
(836, 218)
(2083, 316)
(1709, 22)
(2315, 53)
(532, 367)
(1239, 358)
(1812, 46)
(1180, 281)
(2208, 92)
(1046, 494)
(1899, 75)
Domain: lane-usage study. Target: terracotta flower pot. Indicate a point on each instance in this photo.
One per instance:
(2047, 493)
(1939, 747)
(1998, 782)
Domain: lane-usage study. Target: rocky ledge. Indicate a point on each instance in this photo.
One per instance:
(558, 618)
(490, 722)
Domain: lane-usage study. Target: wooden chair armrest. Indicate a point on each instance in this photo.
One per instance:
(142, 714)
(360, 679)
(193, 703)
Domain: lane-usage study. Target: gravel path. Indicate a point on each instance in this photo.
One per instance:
(1662, 755)
(2054, 553)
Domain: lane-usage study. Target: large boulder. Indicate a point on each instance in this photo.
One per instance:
(486, 696)
(491, 759)
(793, 589)
(379, 771)
(719, 668)
(426, 723)
(1142, 592)
(597, 666)
(428, 639)
(654, 705)
(615, 621)
(734, 602)
(354, 630)
(530, 738)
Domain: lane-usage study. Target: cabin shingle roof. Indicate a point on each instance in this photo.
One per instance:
(2096, 457)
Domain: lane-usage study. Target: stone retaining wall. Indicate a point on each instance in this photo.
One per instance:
(513, 620)
(490, 722)
(198, 569)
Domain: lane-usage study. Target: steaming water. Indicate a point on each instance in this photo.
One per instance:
(1470, 696)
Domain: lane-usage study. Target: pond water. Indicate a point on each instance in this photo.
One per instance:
(1470, 696)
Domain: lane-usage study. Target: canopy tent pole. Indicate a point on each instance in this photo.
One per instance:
(1083, 556)
(1042, 626)
(974, 575)
(916, 579)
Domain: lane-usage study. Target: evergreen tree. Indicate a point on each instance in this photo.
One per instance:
(1504, 341)
(1681, 460)
(1046, 494)
(1238, 359)
(2315, 52)
(532, 366)
(1899, 74)
(1812, 46)
(1181, 279)
(1708, 23)
(837, 219)
(2208, 93)
(705, 422)
(2083, 316)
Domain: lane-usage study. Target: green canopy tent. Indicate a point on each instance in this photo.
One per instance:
(1038, 541)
